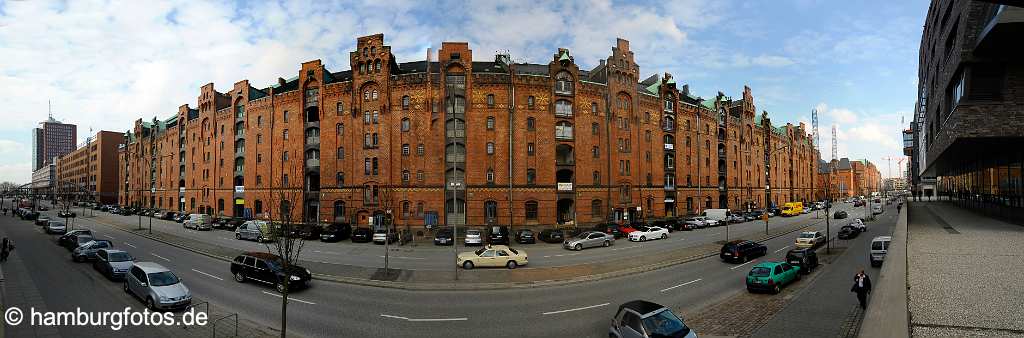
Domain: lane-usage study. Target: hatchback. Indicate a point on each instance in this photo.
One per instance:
(157, 286)
(56, 227)
(269, 269)
(771, 276)
(497, 234)
(113, 263)
(742, 251)
(643, 319)
(805, 259)
(474, 237)
(87, 251)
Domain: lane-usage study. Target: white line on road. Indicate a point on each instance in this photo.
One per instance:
(716, 233)
(290, 298)
(735, 267)
(684, 284)
(108, 236)
(576, 309)
(161, 257)
(130, 244)
(326, 252)
(403, 257)
(783, 248)
(424, 319)
(208, 275)
(628, 247)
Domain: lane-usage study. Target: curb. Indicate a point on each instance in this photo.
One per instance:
(453, 286)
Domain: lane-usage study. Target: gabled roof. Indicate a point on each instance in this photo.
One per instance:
(709, 104)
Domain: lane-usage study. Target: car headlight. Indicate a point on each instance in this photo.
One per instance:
(308, 273)
(163, 299)
(295, 278)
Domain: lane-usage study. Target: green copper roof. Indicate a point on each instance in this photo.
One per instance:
(654, 87)
(564, 56)
(708, 104)
(671, 81)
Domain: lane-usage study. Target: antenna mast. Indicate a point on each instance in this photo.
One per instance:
(835, 143)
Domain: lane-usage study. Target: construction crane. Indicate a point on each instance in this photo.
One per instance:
(835, 143)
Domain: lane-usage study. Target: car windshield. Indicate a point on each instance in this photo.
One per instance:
(163, 278)
(118, 256)
(481, 251)
(665, 324)
(760, 271)
(473, 232)
(807, 235)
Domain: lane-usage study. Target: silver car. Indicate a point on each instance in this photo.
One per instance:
(474, 237)
(254, 231)
(157, 286)
(198, 222)
(588, 239)
(88, 250)
(113, 263)
(56, 227)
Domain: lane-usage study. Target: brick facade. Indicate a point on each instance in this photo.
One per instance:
(573, 145)
(93, 167)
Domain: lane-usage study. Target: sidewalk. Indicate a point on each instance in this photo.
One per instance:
(963, 273)
(468, 280)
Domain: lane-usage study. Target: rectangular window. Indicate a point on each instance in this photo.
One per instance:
(529, 149)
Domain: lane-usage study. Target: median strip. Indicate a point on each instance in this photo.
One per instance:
(684, 284)
(576, 309)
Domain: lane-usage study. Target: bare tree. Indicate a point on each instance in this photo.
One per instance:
(285, 244)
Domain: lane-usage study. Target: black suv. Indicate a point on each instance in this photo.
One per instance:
(806, 259)
(557, 235)
(361, 235)
(268, 269)
(336, 232)
(742, 250)
(497, 234)
(525, 236)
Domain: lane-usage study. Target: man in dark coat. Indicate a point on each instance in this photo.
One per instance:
(862, 286)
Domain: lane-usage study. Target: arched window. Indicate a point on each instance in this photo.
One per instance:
(530, 123)
(563, 108)
(563, 83)
(405, 102)
(490, 100)
(669, 139)
(597, 177)
(529, 102)
(668, 123)
(341, 129)
(339, 212)
(339, 179)
(530, 208)
(531, 176)
(405, 124)
(490, 123)
(373, 95)
(341, 108)
(405, 209)
(490, 148)
(405, 176)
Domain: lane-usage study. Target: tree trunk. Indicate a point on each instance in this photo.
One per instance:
(284, 308)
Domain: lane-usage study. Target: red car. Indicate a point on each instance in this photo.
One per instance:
(626, 229)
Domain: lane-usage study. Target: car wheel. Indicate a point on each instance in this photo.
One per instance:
(643, 238)
(797, 277)
(150, 304)
(775, 289)
(664, 236)
(239, 277)
(125, 286)
(577, 247)
(511, 264)
(279, 287)
(237, 236)
(467, 265)
(607, 243)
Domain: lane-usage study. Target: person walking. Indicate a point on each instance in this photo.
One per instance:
(862, 286)
(4, 250)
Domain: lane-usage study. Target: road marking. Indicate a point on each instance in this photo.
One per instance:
(684, 284)
(208, 275)
(161, 257)
(576, 309)
(783, 248)
(716, 233)
(111, 237)
(734, 268)
(403, 257)
(289, 298)
(327, 252)
(628, 247)
(424, 319)
(130, 244)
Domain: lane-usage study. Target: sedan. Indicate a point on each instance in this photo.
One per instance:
(848, 232)
(361, 235)
(72, 235)
(87, 251)
(113, 263)
(588, 239)
(492, 256)
(694, 223)
(56, 227)
(645, 233)
(810, 239)
(839, 214)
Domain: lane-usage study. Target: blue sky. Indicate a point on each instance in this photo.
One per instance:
(106, 64)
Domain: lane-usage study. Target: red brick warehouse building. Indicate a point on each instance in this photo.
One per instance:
(467, 142)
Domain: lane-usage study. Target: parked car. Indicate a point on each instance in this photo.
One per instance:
(525, 236)
(848, 232)
(643, 319)
(736, 218)
(43, 208)
(361, 235)
(473, 237)
(168, 215)
(198, 222)
(492, 256)
(69, 237)
(876, 209)
(157, 286)
(806, 259)
(879, 247)
(810, 239)
(774, 211)
(611, 229)
(859, 225)
(180, 218)
(29, 215)
(497, 234)
(839, 214)
(755, 215)
(382, 234)
(259, 231)
(55, 227)
(42, 220)
(269, 269)
(556, 235)
(308, 231)
(588, 239)
(445, 236)
(87, 251)
(695, 223)
(742, 251)
(336, 232)
(662, 223)
(113, 263)
(66, 214)
(771, 276)
(646, 233)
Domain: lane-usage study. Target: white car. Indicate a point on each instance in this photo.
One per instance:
(858, 224)
(644, 233)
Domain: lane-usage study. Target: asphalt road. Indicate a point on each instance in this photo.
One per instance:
(332, 309)
(426, 256)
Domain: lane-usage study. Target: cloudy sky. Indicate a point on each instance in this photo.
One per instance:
(105, 64)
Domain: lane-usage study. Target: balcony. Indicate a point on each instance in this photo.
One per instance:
(239, 171)
(240, 153)
(564, 186)
(313, 163)
(670, 187)
(312, 140)
(563, 132)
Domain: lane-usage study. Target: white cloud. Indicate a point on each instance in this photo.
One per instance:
(841, 115)
(16, 172)
(875, 134)
(11, 147)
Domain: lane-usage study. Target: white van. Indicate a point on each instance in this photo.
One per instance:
(720, 215)
(879, 246)
(198, 222)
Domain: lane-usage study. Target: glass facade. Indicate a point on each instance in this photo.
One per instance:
(992, 185)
